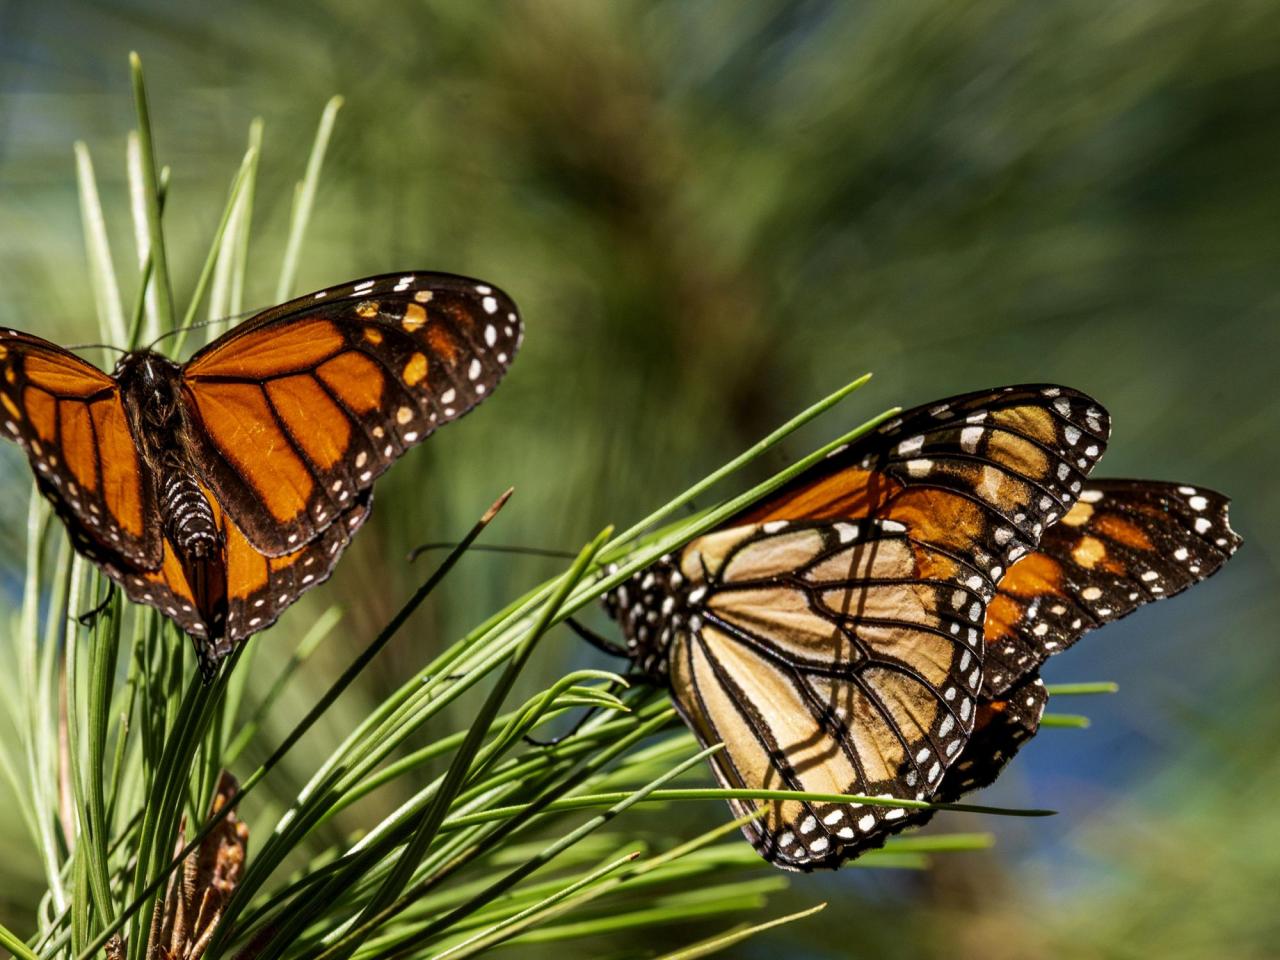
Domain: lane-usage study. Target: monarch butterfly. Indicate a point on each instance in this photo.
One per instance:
(835, 637)
(219, 490)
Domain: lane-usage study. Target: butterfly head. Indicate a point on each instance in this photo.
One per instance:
(152, 379)
(653, 607)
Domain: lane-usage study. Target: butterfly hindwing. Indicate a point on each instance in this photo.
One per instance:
(1002, 726)
(1000, 729)
(836, 658)
(297, 411)
(70, 420)
(255, 590)
(1124, 544)
(260, 588)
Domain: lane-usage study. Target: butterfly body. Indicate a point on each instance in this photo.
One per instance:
(220, 489)
(151, 388)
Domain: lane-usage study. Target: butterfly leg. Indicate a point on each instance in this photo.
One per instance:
(557, 740)
(600, 643)
(90, 617)
(630, 679)
(606, 646)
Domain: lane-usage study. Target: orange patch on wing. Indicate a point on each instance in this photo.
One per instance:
(1122, 531)
(442, 343)
(322, 430)
(172, 576)
(42, 410)
(238, 419)
(356, 379)
(1034, 575)
(414, 317)
(940, 517)
(121, 480)
(78, 448)
(65, 376)
(246, 567)
(415, 370)
(850, 493)
(1002, 614)
(271, 351)
(373, 335)
(289, 559)
(931, 565)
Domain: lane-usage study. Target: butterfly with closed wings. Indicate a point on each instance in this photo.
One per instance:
(219, 490)
(875, 627)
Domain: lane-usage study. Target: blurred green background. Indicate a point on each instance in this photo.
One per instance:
(711, 214)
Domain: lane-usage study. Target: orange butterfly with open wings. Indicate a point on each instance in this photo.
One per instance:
(219, 490)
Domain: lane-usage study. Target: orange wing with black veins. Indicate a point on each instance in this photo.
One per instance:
(69, 418)
(1124, 544)
(982, 475)
(296, 412)
(257, 589)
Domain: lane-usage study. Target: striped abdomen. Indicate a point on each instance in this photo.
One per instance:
(188, 518)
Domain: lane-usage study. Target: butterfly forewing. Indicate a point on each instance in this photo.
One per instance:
(260, 588)
(1124, 544)
(300, 409)
(830, 658)
(71, 421)
(981, 474)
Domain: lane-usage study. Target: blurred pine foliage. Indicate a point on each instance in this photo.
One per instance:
(712, 214)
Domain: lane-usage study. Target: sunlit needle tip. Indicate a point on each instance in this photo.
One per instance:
(497, 505)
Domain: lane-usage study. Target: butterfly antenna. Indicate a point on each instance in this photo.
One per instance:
(97, 346)
(196, 324)
(492, 548)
